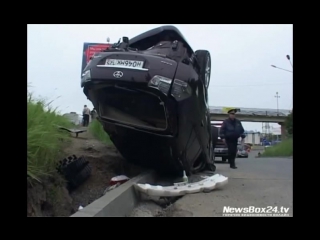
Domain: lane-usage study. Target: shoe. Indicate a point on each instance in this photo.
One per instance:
(233, 167)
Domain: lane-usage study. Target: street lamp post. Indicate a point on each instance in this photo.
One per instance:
(288, 57)
(277, 97)
(281, 68)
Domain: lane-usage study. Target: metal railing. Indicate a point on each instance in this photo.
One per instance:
(254, 112)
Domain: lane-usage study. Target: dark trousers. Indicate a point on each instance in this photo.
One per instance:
(232, 150)
(85, 120)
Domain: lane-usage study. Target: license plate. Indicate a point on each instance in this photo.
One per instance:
(218, 149)
(124, 63)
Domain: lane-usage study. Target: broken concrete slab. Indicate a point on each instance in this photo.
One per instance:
(205, 185)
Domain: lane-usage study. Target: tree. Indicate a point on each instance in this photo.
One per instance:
(289, 123)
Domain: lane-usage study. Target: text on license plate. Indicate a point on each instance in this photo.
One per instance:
(124, 63)
(219, 149)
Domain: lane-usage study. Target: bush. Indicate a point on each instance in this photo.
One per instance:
(44, 139)
(283, 149)
(289, 124)
(96, 129)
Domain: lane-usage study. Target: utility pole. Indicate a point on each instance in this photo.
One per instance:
(277, 97)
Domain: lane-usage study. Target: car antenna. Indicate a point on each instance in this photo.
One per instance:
(116, 45)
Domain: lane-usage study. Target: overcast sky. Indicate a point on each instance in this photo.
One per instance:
(241, 58)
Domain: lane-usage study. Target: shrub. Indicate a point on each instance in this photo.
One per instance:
(289, 124)
(283, 149)
(44, 139)
(96, 129)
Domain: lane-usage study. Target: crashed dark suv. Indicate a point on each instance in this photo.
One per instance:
(151, 96)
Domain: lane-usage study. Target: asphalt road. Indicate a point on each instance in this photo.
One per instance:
(258, 182)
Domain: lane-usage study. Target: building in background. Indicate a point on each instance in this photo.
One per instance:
(276, 133)
(74, 117)
(253, 137)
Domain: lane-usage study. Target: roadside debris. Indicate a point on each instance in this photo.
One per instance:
(180, 189)
(80, 208)
(75, 170)
(116, 182)
(185, 178)
(184, 182)
(75, 131)
(119, 179)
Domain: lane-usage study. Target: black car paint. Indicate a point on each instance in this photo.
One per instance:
(187, 136)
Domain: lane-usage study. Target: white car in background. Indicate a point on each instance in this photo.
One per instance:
(242, 152)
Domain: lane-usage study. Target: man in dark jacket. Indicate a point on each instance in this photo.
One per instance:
(230, 132)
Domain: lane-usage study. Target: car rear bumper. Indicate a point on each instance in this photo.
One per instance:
(221, 152)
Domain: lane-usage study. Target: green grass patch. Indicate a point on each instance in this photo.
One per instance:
(44, 140)
(283, 149)
(96, 129)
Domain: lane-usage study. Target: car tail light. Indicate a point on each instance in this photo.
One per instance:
(161, 83)
(180, 89)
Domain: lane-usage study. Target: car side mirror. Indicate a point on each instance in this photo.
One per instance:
(125, 40)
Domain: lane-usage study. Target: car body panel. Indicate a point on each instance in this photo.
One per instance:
(165, 126)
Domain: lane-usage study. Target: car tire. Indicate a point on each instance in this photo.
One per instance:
(79, 178)
(74, 168)
(204, 60)
(64, 163)
(70, 169)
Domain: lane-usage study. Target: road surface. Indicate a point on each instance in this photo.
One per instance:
(258, 182)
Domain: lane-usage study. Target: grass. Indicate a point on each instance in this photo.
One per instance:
(96, 129)
(283, 149)
(44, 139)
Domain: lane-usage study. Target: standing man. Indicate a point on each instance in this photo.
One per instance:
(230, 132)
(86, 116)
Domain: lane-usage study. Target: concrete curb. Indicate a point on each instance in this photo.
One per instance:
(119, 202)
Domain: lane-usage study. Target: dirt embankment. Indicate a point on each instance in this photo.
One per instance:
(51, 198)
